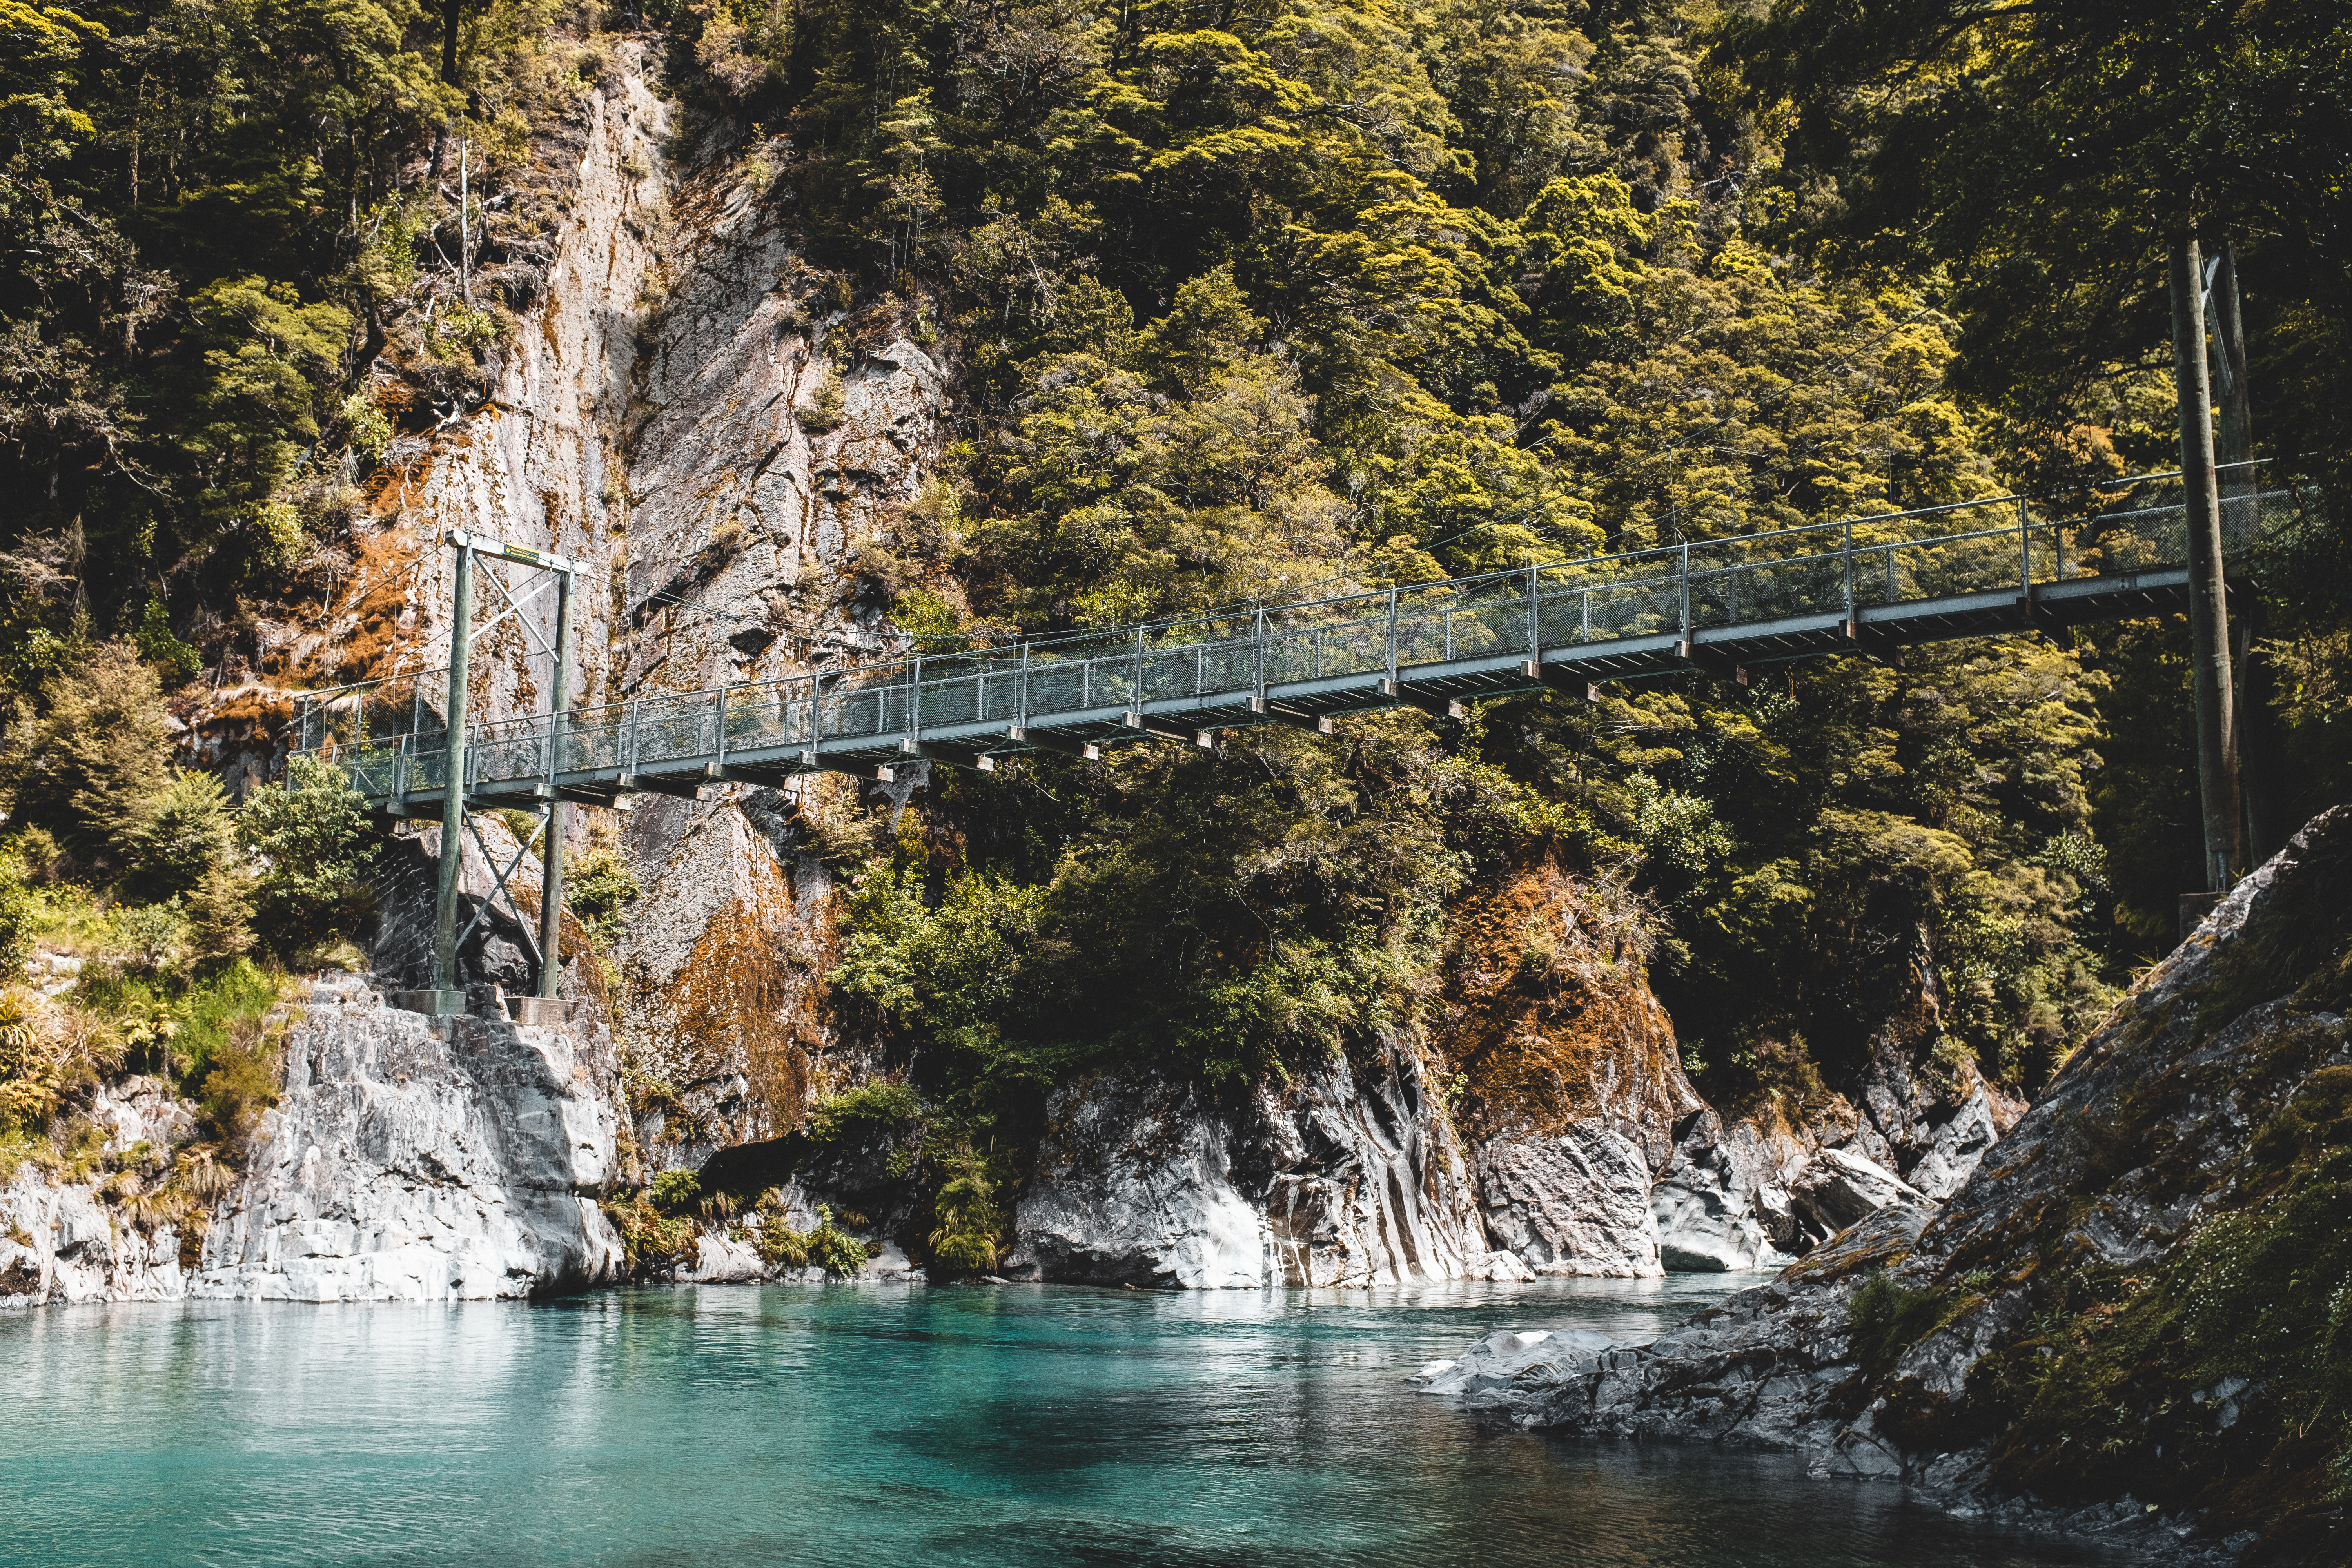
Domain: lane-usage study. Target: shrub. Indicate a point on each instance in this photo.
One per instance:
(676, 1191)
(176, 662)
(183, 835)
(244, 1080)
(313, 836)
(877, 1107)
(1885, 1319)
(827, 1246)
(828, 406)
(84, 766)
(969, 1238)
(31, 1075)
(17, 918)
(599, 887)
(652, 1243)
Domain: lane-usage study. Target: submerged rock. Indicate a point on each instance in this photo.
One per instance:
(414, 1159)
(1507, 1357)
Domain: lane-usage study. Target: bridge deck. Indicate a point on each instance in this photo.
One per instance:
(1724, 606)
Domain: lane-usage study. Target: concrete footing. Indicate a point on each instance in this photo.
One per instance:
(539, 1012)
(432, 1003)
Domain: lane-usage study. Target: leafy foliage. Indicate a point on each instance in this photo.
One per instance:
(313, 841)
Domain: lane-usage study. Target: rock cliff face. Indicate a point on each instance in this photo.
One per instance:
(2089, 1330)
(405, 1160)
(1345, 1178)
(683, 407)
(418, 1160)
(61, 1242)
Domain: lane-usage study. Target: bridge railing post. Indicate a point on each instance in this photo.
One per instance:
(718, 709)
(1535, 617)
(1686, 588)
(1848, 552)
(1022, 701)
(1258, 652)
(2025, 547)
(1393, 631)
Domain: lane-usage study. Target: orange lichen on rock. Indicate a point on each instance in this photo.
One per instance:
(1549, 1016)
(378, 610)
(737, 1004)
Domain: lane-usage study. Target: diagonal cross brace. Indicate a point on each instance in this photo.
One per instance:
(530, 945)
(514, 608)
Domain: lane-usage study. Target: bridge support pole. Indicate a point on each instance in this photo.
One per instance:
(2209, 609)
(550, 853)
(445, 997)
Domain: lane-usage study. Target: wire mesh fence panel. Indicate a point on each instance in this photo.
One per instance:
(1737, 581)
(1638, 608)
(952, 697)
(509, 750)
(370, 770)
(593, 741)
(1492, 626)
(1948, 568)
(424, 772)
(1053, 685)
(674, 729)
(1357, 647)
(769, 715)
(2046, 556)
(855, 713)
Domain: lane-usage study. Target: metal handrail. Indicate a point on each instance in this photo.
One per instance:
(1125, 663)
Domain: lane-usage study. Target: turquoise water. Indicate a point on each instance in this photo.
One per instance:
(876, 1426)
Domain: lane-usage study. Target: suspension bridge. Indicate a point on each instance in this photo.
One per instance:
(1723, 607)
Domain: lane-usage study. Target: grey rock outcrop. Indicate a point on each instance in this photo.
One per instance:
(2149, 1136)
(1345, 1178)
(61, 1242)
(415, 1160)
(1577, 1202)
(1723, 1197)
(1838, 1188)
(1135, 1186)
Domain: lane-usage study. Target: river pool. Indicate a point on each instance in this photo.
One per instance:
(883, 1425)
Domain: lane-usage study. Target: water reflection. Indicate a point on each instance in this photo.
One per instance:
(728, 1426)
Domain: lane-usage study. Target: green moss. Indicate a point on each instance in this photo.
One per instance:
(888, 1108)
(1886, 1319)
(2222, 1378)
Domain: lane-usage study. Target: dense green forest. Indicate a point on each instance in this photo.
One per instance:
(1249, 297)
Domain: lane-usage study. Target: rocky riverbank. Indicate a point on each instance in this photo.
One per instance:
(406, 1159)
(2125, 1321)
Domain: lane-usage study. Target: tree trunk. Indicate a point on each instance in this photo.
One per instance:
(2209, 612)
